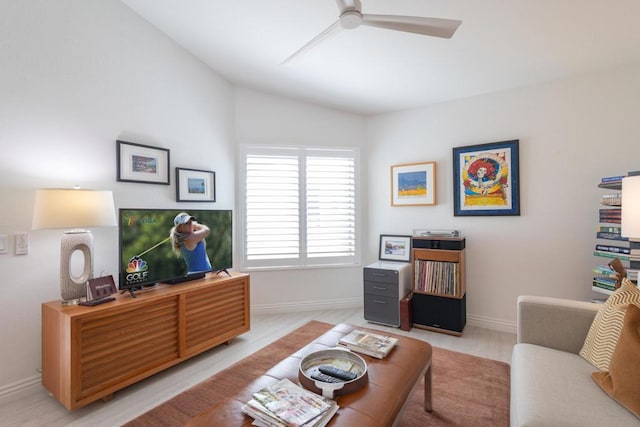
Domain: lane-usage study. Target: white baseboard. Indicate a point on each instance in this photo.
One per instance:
(491, 323)
(474, 320)
(306, 306)
(20, 385)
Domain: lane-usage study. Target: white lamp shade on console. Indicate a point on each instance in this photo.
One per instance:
(74, 209)
(631, 207)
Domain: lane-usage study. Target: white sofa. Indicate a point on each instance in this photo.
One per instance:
(551, 383)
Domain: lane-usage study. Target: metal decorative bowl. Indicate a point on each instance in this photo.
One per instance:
(339, 358)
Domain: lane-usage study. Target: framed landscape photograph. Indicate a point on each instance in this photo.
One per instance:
(195, 185)
(413, 184)
(395, 248)
(142, 163)
(486, 179)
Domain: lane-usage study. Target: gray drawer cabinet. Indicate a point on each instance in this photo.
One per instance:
(385, 284)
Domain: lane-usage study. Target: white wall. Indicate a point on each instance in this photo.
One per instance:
(76, 76)
(571, 134)
(262, 119)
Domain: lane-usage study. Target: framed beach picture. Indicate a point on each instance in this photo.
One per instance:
(413, 184)
(486, 179)
(142, 163)
(195, 185)
(394, 248)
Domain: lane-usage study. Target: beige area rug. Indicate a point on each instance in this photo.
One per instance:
(467, 390)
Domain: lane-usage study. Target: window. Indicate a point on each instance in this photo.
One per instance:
(299, 207)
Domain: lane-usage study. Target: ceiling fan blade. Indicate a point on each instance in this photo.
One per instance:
(329, 32)
(344, 5)
(436, 27)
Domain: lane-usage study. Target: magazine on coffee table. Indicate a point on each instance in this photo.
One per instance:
(368, 343)
(287, 404)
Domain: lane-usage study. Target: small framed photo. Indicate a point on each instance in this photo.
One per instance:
(413, 184)
(486, 179)
(395, 248)
(142, 163)
(195, 185)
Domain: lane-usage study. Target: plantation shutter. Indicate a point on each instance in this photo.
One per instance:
(272, 225)
(331, 207)
(300, 207)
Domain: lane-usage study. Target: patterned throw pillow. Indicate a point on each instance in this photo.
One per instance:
(606, 327)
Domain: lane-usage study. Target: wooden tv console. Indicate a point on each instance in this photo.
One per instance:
(88, 353)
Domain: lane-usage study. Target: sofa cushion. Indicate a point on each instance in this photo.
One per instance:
(554, 388)
(622, 382)
(604, 332)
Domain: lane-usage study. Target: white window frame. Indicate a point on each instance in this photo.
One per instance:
(302, 261)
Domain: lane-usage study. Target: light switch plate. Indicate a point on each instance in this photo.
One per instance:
(4, 244)
(22, 243)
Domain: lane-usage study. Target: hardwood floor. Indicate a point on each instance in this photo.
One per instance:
(35, 407)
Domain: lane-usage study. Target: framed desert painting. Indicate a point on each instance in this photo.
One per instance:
(413, 184)
(486, 179)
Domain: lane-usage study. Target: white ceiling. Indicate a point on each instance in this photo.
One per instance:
(501, 44)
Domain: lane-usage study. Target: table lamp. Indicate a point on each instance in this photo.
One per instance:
(631, 207)
(74, 209)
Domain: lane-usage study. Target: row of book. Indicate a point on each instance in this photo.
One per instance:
(614, 249)
(287, 404)
(634, 259)
(611, 182)
(604, 283)
(634, 254)
(611, 215)
(611, 199)
(439, 277)
(610, 232)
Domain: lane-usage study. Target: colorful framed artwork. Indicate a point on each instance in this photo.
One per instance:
(394, 248)
(413, 184)
(195, 185)
(486, 179)
(142, 163)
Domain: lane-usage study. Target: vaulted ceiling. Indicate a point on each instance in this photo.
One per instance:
(500, 44)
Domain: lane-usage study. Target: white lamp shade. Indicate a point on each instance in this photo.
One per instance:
(631, 207)
(73, 208)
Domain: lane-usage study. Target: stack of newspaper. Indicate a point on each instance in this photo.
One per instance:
(286, 404)
(368, 343)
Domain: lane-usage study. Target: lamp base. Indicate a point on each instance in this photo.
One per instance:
(73, 289)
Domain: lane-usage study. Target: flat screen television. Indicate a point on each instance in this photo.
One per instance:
(146, 248)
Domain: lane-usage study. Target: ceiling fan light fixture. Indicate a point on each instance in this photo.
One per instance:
(350, 19)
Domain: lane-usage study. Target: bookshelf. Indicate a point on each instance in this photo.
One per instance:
(611, 249)
(439, 287)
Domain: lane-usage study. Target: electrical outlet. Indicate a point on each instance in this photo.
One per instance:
(22, 243)
(4, 244)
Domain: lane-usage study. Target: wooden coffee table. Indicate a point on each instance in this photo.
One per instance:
(379, 403)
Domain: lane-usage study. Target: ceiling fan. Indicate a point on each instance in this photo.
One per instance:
(351, 17)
